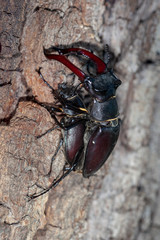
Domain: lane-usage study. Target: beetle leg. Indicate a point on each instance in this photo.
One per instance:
(54, 183)
(59, 146)
(48, 131)
(47, 106)
(65, 174)
(64, 60)
(101, 66)
(55, 154)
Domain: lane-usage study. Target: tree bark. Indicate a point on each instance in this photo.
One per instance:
(122, 201)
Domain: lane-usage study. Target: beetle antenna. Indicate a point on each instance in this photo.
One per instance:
(106, 54)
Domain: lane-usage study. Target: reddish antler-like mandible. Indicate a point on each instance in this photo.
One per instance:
(101, 66)
(64, 60)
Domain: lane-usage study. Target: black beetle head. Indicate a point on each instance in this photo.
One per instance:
(66, 91)
(103, 86)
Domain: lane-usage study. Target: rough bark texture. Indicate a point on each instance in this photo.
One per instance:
(121, 202)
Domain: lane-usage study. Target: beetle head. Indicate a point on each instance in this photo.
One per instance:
(103, 86)
(66, 91)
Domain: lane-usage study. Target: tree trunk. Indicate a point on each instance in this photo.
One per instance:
(122, 201)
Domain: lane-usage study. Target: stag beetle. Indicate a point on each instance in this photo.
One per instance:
(89, 133)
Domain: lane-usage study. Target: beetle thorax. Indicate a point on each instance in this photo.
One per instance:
(103, 111)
